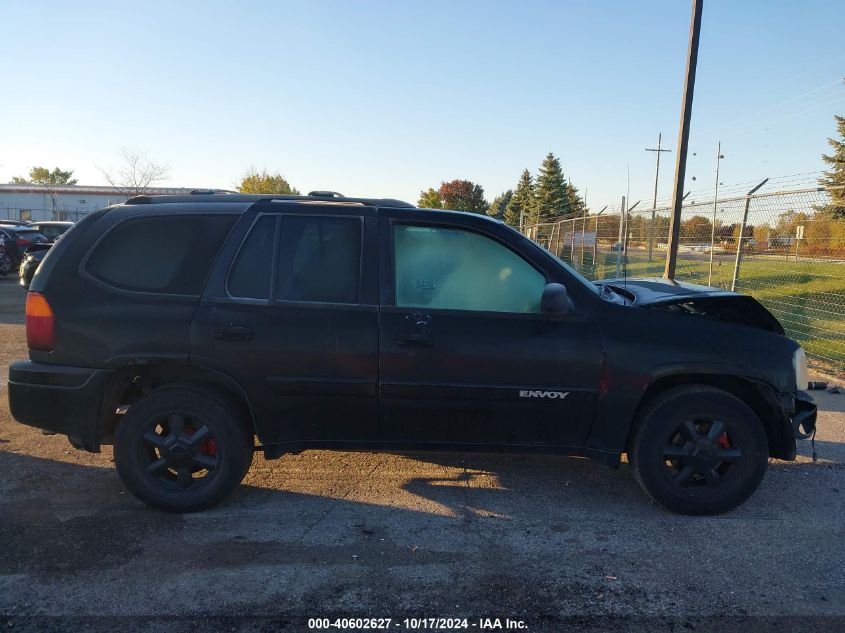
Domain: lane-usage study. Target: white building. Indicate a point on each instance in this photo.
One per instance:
(64, 202)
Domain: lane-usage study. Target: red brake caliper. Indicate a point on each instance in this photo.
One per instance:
(723, 441)
(207, 446)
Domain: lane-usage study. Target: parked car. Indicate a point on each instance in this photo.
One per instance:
(31, 259)
(6, 263)
(17, 239)
(51, 229)
(178, 328)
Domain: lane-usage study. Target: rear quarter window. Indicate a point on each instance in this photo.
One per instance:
(160, 254)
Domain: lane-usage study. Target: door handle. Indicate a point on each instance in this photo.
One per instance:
(419, 340)
(233, 333)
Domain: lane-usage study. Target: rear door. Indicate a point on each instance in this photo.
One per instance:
(466, 355)
(291, 314)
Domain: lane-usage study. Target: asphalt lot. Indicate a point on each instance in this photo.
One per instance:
(553, 541)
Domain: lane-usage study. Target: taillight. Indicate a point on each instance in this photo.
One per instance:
(39, 322)
(23, 242)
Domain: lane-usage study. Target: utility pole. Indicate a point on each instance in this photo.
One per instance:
(658, 150)
(719, 157)
(683, 140)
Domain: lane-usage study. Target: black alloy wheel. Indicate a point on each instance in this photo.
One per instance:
(180, 452)
(698, 450)
(700, 453)
(183, 448)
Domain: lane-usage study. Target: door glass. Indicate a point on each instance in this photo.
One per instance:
(249, 276)
(319, 259)
(460, 270)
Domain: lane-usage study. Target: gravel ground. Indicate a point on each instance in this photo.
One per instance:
(558, 543)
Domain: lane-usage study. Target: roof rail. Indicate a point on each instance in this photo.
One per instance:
(200, 192)
(219, 195)
(326, 194)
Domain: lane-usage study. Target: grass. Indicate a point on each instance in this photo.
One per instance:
(807, 296)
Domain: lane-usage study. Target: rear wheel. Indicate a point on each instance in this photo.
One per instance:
(182, 449)
(699, 450)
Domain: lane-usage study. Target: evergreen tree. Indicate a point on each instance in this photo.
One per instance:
(499, 204)
(835, 177)
(551, 190)
(576, 205)
(521, 205)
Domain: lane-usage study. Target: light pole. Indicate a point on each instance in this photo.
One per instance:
(719, 157)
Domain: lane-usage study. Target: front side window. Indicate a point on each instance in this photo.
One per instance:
(159, 253)
(319, 259)
(455, 269)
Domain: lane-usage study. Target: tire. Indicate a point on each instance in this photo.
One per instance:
(182, 449)
(699, 450)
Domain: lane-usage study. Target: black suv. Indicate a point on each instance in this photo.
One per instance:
(179, 328)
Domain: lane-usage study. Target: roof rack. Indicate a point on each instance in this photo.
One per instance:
(200, 192)
(220, 195)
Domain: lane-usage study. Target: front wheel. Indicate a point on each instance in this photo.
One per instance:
(182, 449)
(699, 450)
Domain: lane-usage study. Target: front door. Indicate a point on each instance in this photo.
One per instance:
(466, 355)
(294, 320)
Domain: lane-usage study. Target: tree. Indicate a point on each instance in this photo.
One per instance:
(137, 173)
(835, 177)
(500, 204)
(265, 182)
(576, 204)
(463, 195)
(696, 229)
(551, 190)
(43, 176)
(49, 180)
(519, 211)
(430, 199)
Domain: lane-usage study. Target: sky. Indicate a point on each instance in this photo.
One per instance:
(387, 98)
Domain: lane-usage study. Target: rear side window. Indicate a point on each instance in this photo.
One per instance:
(319, 259)
(161, 254)
(249, 276)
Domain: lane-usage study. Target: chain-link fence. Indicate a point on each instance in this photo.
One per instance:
(783, 248)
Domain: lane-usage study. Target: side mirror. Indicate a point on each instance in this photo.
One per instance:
(555, 300)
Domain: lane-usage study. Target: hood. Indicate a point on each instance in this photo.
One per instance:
(650, 291)
(694, 300)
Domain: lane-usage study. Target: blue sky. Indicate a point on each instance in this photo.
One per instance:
(387, 98)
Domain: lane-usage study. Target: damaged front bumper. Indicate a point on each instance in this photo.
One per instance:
(803, 415)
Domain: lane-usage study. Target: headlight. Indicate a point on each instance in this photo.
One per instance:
(799, 367)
